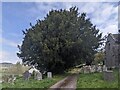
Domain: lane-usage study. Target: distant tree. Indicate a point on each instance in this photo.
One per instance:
(62, 40)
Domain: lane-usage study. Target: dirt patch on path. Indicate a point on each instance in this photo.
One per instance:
(68, 83)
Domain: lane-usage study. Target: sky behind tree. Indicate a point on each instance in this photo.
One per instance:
(17, 16)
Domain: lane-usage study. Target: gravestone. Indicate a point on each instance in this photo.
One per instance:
(26, 75)
(104, 68)
(11, 79)
(5, 78)
(81, 70)
(8, 79)
(108, 75)
(49, 74)
(93, 69)
(99, 68)
(39, 76)
(86, 69)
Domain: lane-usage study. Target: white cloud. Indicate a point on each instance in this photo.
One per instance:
(41, 9)
(110, 29)
(103, 15)
(0, 39)
(1, 31)
(89, 7)
(3, 54)
(6, 56)
(15, 35)
(4, 41)
(10, 43)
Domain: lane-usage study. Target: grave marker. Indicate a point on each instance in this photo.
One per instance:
(108, 75)
(39, 76)
(93, 69)
(49, 74)
(26, 75)
(86, 69)
(104, 68)
(99, 69)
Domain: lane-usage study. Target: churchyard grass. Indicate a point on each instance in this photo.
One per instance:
(0, 80)
(95, 80)
(45, 83)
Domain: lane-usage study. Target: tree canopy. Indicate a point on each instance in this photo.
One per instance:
(62, 40)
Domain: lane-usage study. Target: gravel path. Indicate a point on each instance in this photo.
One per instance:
(68, 83)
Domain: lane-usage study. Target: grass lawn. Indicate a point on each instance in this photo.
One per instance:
(95, 80)
(45, 83)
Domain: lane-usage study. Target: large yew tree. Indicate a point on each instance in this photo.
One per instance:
(62, 40)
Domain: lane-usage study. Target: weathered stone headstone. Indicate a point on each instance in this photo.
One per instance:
(108, 75)
(93, 69)
(49, 74)
(39, 76)
(86, 69)
(8, 79)
(99, 69)
(5, 78)
(104, 68)
(11, 79)
(81, 70)
(26, 75)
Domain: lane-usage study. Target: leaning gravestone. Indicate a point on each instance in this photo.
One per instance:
(39, 76)
(26, 75)
(13, 80)
(49, 74)
(10, 78)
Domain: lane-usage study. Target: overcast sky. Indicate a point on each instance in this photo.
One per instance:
(16, 17)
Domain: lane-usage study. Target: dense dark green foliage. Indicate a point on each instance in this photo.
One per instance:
(60, 41)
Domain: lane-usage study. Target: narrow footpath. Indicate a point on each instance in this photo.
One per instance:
(68, 83)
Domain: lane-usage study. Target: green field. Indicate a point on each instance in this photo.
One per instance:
(45, 83)
(95, 80)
